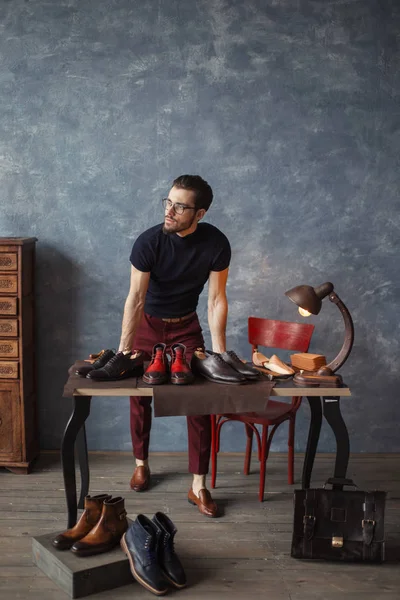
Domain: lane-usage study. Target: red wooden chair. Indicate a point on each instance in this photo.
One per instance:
(271, 334)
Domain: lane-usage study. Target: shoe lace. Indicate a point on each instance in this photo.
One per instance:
(97, 363)
(233, 354)
(150, 551)
(100, 356)
(169, 545)
(113, 359)
(110, 366)
(219, 358)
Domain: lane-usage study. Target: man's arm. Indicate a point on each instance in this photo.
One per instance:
(134, 306)
(218, 309)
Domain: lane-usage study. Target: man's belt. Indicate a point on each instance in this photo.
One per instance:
(179, 319)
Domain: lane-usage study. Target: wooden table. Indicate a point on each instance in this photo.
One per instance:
(323, 401)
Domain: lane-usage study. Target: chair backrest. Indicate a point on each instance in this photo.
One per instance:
(279, 334)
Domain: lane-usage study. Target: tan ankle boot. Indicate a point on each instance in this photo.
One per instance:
(89, 518)
(108, 531)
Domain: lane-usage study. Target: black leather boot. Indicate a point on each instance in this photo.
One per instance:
(167, 558)
(140, 544)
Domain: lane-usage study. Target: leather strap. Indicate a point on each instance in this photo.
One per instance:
(342, 481)
(368, 523)
(178, 319)
(309, 521)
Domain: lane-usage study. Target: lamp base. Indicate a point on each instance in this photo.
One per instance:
(323, 377)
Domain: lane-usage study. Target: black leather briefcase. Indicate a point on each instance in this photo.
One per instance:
(337, 524)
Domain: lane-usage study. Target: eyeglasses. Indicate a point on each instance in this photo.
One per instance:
(178, 208)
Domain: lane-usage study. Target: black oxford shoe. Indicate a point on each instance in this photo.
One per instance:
(120, 366)
(232, 359)
(213, 367)
(102, 359)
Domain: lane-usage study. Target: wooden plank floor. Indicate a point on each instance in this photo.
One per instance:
(244, 554)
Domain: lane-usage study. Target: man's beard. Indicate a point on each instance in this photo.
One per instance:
(176, 229)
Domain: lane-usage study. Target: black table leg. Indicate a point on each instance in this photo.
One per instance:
(81, 410)
(334, 417)
(81, 445)
(313, 437)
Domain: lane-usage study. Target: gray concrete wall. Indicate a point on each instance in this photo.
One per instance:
(289, 109)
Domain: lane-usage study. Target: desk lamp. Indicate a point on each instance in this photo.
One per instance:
(309, 301)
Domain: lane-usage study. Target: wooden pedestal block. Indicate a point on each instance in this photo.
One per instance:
(81, 576)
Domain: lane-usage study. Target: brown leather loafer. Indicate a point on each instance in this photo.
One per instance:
(204, 502)
(140, 479)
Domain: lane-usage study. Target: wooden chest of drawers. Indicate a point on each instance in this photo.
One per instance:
(18, 419)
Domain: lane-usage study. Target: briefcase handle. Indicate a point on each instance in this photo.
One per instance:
(339, 481)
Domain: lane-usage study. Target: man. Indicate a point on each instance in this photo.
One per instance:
(171, 262)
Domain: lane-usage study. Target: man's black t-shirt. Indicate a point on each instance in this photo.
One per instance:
(179, 266)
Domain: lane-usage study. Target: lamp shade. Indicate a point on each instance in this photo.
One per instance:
(310, 298)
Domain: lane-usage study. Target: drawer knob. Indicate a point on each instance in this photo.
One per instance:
(5, 261)
(6, 348)
(6, 283)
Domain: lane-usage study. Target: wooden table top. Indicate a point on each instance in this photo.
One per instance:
(202, 397)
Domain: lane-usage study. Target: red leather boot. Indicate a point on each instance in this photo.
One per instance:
(157, 371)
(180, 370)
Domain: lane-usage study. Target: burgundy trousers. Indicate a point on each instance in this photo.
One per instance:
(151, 331)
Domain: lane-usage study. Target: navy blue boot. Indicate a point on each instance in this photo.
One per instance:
(140, 544)
(167, 558)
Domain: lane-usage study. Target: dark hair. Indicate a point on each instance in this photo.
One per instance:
(203, 192)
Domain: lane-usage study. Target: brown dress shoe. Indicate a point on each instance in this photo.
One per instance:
(140, 479)
(108, 531)
(89, 518)
(204, 502)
